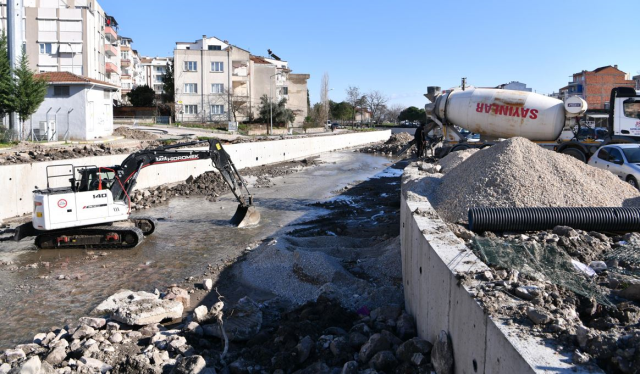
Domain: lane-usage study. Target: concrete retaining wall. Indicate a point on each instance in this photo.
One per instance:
(18, 181)
(431, 257)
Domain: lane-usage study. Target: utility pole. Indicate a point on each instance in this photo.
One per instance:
(14, 44)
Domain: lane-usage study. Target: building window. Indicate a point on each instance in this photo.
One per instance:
(45, 48)
(159, 69)
(191, 66)
(190, 109)
(217, 88)
(190, 88)
(159, 79)
(124, 55)
(60, 91)
(107, 94)
(217, 66)
(215, 48)
(217, 109)
(284, 90)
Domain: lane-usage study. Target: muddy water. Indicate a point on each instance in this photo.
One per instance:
(192, 234)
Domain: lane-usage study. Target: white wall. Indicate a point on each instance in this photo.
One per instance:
(70, 110)
(18, 181)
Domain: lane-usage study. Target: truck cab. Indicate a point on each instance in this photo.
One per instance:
(624, 115)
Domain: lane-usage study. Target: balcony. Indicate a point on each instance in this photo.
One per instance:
(125, 63)
(110, 50)
(110, 67)
(110, 34)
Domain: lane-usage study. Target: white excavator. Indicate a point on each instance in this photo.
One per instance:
(93, 209)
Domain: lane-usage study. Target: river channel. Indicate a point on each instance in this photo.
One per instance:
(192, 233)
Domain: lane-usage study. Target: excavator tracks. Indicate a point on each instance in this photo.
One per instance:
(97, 237)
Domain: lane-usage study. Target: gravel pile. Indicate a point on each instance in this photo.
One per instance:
(454, 159)
(519, 173)
(130, 133)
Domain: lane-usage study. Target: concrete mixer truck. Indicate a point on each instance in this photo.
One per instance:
(497, 113)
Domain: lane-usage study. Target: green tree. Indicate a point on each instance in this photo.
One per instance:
(30, 91)
(142, 96)
(168, 86)
(281, 114)
(413, 114)
(341, 111)
(7, 83)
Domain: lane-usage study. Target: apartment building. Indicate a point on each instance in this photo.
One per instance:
(216, 81)
(75, 36)
(595, 86)
(131, 67)
(153, 71)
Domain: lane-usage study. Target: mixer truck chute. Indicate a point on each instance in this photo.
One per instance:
(498, 114)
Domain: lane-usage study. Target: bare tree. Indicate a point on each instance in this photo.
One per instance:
(375, 102)
(235, 104)
(393, 112)
(353, 98)
(324, 97)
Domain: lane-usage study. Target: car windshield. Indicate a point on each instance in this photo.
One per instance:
(632, 155)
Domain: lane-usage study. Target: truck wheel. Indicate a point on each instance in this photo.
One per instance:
(632, 181)
(575, 153)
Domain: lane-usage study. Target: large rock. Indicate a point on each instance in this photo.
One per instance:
(139, 308)
(243, 324)
(442, 354)
(200, 313)
(406, 327)
(189, 365)
(409, 348)
(96, 364)
(12, 355)
(84, 331)
(377, 343)
(383, 361)
(304, 349)
(120, 298)
(31, 366)
(56, 356)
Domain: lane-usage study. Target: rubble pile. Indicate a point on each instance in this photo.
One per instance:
(454, 159)
(212, 185)
(317, 337)
(135, 134)
(520, 173)
(47, 153)
(580, 323)
(392, 146)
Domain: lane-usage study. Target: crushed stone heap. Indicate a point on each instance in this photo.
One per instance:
(130, 133)
(454, 159)
(520, 173)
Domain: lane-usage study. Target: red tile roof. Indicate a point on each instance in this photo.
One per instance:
(66, 77)
(259, 60)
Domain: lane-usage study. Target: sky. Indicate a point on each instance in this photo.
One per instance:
(400, 47)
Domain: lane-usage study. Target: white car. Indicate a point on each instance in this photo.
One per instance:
(622, 160)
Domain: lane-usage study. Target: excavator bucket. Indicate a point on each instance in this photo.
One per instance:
(246, 215)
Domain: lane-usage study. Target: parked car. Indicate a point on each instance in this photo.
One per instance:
(622, 160)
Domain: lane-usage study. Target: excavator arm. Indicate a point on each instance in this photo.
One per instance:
(129, 170)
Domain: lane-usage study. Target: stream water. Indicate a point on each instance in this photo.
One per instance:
(192, 233)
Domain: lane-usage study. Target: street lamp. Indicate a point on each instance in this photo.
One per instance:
(271, 101)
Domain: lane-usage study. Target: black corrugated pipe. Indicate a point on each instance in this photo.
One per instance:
(534, 219)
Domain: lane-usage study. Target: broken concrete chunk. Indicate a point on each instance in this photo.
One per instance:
(113, 302)
(538, 317)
